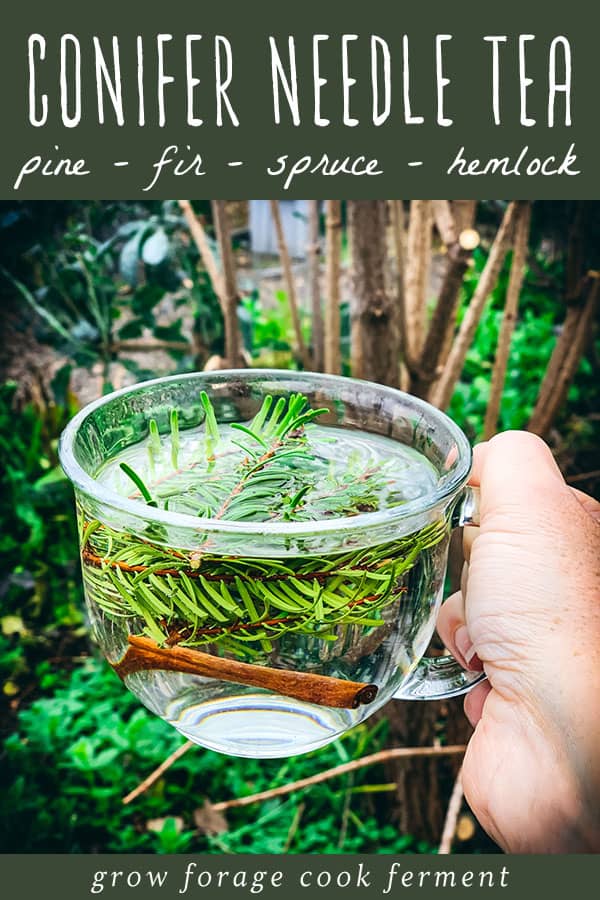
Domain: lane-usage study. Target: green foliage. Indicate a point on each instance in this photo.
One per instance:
(75, 754)
(269, 332)
(40, 588)
(101, 279)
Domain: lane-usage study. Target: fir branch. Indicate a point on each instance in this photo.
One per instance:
(242, 602)
(243, 605)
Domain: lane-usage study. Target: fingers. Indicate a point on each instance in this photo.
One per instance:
(452, 629)
(475, 701)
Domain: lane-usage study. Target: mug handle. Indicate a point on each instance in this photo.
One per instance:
(441, 677)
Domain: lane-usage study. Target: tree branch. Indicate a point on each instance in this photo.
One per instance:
(459, 244)
(343, 769)
(288, 275)
(206, 255)
(449, 830)
(509, 319)
(565, 359)
(442, 391)
(155, 775)
(353, 765)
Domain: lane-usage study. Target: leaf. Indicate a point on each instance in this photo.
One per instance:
(131, 329)
(129, 228)
(156, 248)
(210, 821)
(42, 312)
(129, 259)
(144, 300)
(170, 332)
(170, 823)
(13, 625)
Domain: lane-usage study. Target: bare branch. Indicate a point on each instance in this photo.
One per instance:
(459, 244)
(444, 221)
(565, 359)
(464, 213)
(149, 346)
(207, 256)
(442, 391)
(352, 766)
(156, 774)
(290, 283)
(456, 799)
(509, 319)
(333, 252)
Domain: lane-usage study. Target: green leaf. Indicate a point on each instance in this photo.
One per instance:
(156, 248)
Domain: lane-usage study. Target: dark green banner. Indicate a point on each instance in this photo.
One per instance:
(122, 877)
(308, 98)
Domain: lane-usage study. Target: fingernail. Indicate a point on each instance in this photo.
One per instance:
(464, 645)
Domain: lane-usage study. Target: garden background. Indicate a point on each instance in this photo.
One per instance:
(488, 310)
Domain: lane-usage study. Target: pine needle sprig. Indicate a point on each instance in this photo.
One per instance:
(242, 605)
(245, 601)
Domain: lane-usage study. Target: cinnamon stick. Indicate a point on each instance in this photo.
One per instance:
(144, 654)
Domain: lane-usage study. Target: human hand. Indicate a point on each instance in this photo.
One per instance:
(529, 612)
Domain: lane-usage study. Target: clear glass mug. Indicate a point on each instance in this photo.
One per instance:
(305, 685)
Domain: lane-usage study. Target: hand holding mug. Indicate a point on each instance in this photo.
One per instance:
(529, 613)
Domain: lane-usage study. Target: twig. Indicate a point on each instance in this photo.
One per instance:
(443, 390)
(468, 240)
(343, 769)
(143, 346)
(200, 239)
(345, 812)
(155, 775)
(372, 759)
(294, 827)
(288, 276)
(454, 805)
(509, 319)
(333, 250)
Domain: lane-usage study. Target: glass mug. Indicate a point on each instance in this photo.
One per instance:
(316, 671)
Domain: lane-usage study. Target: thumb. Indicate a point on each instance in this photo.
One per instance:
(519, 479)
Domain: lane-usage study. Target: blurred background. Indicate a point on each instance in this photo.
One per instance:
(487, 309)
